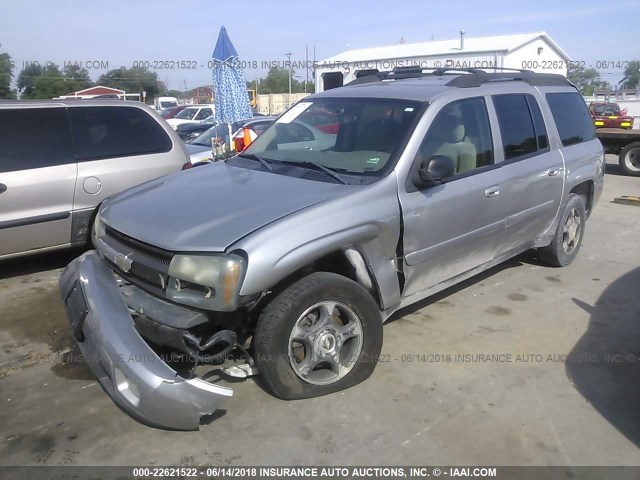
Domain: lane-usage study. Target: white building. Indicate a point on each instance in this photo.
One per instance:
(532, 51)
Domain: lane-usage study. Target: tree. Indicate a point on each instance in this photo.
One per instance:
(277, 81)
(132, 80)
(76, 78)
(36, 81)
(586, 79)
(27, 77)
(631, 75)
(175, 93)
(6, 74)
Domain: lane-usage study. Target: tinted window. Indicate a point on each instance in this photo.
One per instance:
(34, 138)
(538, 123)
(103, 132)
(607, 109)
(516, 125)
(260, 127)
(187, 113)
(204, 113)
(461, 132)
(572, 118)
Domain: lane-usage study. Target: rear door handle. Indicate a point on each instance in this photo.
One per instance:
(492, 191)
(553, 172)
(3, 188)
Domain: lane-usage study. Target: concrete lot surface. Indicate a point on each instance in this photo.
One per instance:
(523, 365)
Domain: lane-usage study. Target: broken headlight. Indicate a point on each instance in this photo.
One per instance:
(210, 282)
(98, 228)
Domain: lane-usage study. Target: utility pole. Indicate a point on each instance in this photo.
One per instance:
(306, 64)
(288, 55)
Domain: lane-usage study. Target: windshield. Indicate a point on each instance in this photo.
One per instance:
(349, 135)
(607, 109)
(168, 104)
(187, 114)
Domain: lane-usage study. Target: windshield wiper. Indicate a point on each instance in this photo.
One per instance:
(262, 161)
(315, 166)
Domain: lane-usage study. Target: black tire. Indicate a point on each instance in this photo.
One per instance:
(629, 159)
(557, 252)
(271, 340)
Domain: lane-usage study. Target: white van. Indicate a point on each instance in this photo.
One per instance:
(160, 103)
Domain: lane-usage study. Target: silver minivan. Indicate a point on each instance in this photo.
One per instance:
(60, 160)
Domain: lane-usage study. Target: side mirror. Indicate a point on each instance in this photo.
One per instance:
(434, 170)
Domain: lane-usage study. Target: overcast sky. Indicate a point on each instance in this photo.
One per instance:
(121, 32)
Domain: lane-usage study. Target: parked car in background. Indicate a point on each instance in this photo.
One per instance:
(59, 161)
(251, 130)
(609, 115)
(168, 113)
(189, 131)
(191, 114)
(200, 147)
(160, 103)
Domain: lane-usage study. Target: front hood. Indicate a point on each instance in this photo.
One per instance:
(208, 208)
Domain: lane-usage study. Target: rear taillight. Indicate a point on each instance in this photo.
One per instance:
(187, 166)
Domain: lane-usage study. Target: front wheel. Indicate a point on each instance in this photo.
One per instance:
(629, 159)
(568, 237)
(320, 335)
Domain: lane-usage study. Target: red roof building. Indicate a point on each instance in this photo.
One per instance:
(100, 90)
(94, 91)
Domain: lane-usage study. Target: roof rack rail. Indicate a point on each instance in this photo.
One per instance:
(527, 76)
(467, 77)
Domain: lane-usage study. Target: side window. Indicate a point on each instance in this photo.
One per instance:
(572, 118)
(203, 113)
(538, 123)
(20, 127)
(460, 131)
(104, 132)
(261, 127)
(294, 132)
(516, 125)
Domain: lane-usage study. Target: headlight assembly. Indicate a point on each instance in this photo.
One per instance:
(210, 282)
(98, 227)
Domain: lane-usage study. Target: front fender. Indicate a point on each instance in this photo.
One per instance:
(367, 220)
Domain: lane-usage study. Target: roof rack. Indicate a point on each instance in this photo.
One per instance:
(467, 77)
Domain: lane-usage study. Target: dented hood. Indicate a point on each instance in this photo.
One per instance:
(208, 208)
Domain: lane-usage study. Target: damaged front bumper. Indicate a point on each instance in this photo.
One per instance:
(133, 375)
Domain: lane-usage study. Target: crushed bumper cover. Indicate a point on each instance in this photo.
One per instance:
(133, 375)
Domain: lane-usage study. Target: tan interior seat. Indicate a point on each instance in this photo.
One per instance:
(446, 137)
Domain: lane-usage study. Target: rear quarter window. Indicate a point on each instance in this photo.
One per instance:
(572, 118)
(107, 132)
(34, 138)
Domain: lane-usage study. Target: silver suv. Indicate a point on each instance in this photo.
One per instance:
(356, 202)
(59, 161)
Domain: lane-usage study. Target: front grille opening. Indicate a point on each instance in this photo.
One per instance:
(149, 251)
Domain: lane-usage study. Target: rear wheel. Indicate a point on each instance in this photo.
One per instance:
(568, 237)
(629, 159)
(321, 335)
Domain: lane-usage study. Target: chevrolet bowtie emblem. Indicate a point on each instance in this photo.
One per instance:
(124, 263)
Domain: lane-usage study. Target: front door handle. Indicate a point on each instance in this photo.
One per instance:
(3, 188)
(492, 191)
(553, 172)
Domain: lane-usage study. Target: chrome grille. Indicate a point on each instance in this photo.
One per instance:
(149, 265)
